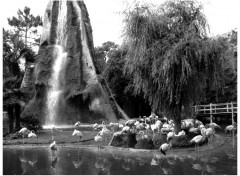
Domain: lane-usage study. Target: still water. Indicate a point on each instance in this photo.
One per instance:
(211, 159)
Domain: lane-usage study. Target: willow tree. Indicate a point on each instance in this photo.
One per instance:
(170, 58)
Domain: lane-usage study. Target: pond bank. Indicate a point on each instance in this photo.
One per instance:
(65, 139)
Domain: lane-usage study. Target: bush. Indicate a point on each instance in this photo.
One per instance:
(31, 123)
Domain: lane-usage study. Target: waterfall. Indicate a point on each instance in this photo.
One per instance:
(55, 82)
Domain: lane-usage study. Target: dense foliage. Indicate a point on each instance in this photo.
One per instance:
(16, 49)
(170, 57)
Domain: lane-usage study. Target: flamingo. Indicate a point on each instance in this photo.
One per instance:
(141, 135)
(209, 132)
(118, 133)
(126, 129)
(32, 134)
(98, 138)
(23, 131)
(77, 133)
(53, 146)
(105, 133)
(181, 133)
(199, 138)
(77, 124)
(231, 128)
(158, 124)
(164, 148)
(52, 130)
(215, 125)
(97, 126)
(170, 135)
(140, 126)
(114, 126)
(130, 122)
(193, 130)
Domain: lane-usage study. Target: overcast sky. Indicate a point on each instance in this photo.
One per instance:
(106, 21)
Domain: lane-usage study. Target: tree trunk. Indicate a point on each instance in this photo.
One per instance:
(26, 37)
(10, 118)
(17, 114)
(177, 126)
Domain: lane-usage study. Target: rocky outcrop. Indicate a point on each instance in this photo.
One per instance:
(86, 95)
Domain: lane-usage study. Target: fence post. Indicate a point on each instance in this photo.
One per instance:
(210, 112)
(227, 107)
(232, 113)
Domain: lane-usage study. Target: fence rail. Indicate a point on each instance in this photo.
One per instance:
(212, 109)
(221, 108)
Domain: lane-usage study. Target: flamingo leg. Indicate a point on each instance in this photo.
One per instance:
(23, 138)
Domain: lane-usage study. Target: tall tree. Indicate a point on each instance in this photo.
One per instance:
(113, 73)
(170, 57)
(26, 24)
(16, 45)
(101, 54)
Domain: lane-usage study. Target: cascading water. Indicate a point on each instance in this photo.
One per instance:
(55, 82)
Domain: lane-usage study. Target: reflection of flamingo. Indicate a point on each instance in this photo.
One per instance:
(166, 171)
(126, 166)
(53, 147)
(34, 159)
(24, 162)
(53, 163)
(171, 160)
(79, 162)
(140, 161)
(154, 161)
(99, 163)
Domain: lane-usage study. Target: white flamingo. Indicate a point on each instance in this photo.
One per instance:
(23, 131)
(126, 129)
(105, 133)
(53, 146)
(77, 124)
(98, 138)
(78, 134)
(164, 148)
(52, 130)
(32, 134)
(181, 133)
(215, 125)
(231, 128)
(198, 139)
(170, 135)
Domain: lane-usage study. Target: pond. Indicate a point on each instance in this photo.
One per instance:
(210, 159)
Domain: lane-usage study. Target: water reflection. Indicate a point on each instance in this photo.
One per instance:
(79, 161)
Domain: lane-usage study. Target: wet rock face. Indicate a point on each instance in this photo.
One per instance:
(84, 96)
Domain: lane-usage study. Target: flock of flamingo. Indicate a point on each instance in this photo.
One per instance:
(143, 127)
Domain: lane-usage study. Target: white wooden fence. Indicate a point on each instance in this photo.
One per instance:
(221, 108)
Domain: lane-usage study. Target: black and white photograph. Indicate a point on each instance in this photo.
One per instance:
(119, 87)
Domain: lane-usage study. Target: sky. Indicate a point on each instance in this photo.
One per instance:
(106, 19)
